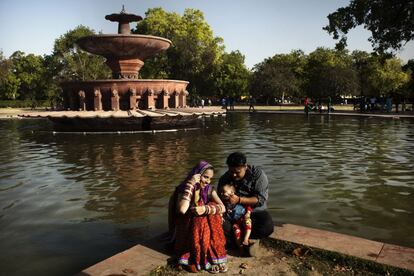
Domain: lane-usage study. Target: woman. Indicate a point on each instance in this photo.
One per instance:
(197, 223)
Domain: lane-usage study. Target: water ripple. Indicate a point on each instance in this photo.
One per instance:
(350, 175)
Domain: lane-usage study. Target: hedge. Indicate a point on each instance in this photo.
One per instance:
(23, 103)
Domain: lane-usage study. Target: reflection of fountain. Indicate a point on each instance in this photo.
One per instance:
(119, 178)
(124, 102)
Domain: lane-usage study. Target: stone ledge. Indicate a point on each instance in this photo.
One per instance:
(382, 253)
(142, 259)
(138, 260)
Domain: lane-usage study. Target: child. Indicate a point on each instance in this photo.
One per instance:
(238, 215)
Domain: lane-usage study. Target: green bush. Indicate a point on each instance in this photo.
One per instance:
(23, 103)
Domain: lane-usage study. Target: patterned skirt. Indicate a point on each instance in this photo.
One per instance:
(200, 241)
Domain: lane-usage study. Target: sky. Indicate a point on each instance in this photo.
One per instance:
(257, 28)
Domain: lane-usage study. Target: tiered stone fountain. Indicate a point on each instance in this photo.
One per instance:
(124, 102)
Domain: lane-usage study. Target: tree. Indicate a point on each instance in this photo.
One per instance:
(279, 76)
(409, 69)
(72, 63)
(389, 78)
(51, 76)
(194, 55)
(5, 65)
(9, 83)
(28, 70)
(232, 77)
(9, 89)
(364, 64)
(329, 73)
(391, 22)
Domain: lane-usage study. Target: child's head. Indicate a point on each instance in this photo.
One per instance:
(228, 190)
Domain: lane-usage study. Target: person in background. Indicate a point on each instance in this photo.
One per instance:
(306, 104)
(252, 102)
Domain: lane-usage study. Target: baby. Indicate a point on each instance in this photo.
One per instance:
(238, 215)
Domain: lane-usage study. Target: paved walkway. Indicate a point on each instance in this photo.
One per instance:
(141, 259)
(336, 113)
(379, 252)
(9, 113)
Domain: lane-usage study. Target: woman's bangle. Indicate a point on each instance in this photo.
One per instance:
(239, 200)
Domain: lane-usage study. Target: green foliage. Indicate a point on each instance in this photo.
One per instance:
(364, 63)
(23, 103)
(69, 62)
(279, 76)
(232, 76)
(194, 55)
(10, 85)
(391, 23)
(409, 69)
(5, 65)
(389, 78)
(330, 73)
(28, 73)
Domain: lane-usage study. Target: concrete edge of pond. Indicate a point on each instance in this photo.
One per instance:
(335, 113)
(143, 258)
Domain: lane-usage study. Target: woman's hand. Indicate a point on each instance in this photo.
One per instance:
(196, 178)
(198, 210)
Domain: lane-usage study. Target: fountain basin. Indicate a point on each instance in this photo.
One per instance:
(148, 93)
(124, 46)
(138, 120)
(124, 53)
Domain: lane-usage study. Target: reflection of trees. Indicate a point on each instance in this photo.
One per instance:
(337, 173)
(124, 175)
(11, 133)
(366, 185)
(9, 139)
(344, 171)
(389, 207)
(129, 177)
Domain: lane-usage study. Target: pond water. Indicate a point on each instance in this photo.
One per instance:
(68, 201)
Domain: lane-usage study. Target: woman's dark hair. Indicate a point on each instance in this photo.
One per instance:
(236, 159)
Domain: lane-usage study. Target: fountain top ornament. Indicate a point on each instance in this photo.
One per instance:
(123, 19)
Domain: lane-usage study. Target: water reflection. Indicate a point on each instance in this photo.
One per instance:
(126, 178)
(73, 200)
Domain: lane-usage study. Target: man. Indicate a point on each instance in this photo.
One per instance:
(306, 103)
(252, 102)
(252, 188)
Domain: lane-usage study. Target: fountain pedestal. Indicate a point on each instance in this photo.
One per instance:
(124, 102)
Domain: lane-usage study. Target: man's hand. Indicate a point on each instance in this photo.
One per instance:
(234, 199)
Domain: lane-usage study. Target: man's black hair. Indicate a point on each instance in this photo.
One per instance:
(236, 159)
